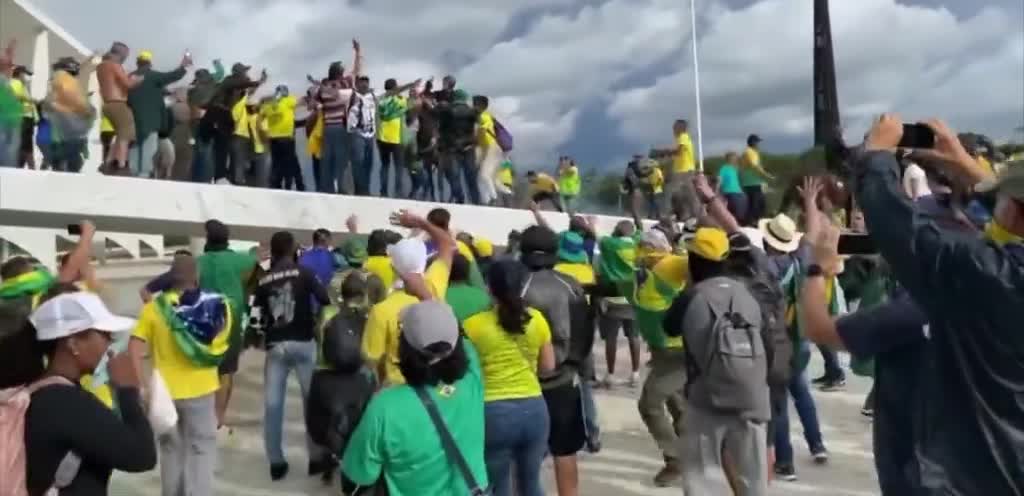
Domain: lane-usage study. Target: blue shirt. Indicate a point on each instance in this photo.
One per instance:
(894, 333)
(321, 262)
(729, 178)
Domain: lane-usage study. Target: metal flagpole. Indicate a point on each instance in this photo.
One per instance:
(696, 85)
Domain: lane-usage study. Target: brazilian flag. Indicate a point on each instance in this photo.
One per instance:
(200, 323)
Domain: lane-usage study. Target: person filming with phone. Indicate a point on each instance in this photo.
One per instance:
(970, 289)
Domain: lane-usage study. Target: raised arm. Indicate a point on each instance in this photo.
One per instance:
(940, 269)
(218, 71)
(80, 257)
(357, 62)
(717, 209)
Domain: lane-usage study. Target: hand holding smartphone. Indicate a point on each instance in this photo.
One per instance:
(917, 136)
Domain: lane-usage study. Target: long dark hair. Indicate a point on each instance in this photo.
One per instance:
(506, 279)
(418, 371)
(22, 354)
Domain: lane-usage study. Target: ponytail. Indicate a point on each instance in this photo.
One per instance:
(512, 314)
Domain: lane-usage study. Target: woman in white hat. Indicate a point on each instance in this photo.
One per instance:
(73, 441)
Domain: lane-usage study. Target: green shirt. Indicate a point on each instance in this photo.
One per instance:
(729, 180)
(466, 300)
(396, 439)
(225, 272)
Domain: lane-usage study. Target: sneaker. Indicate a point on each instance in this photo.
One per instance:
(668, 474)
(820, 380)
(833, 385)
(606, 382)
(785, 471)
(820, 455)
(222, 182)
(634, 379)
(593, 444)
(868, 412)
(278, 471)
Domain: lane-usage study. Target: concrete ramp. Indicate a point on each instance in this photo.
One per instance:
(142, 206)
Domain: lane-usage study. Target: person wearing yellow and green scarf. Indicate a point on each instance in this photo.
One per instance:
(23, 284)
(506, 183)
(658, 277)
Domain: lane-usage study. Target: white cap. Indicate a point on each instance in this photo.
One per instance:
(71, 313)
(408, 256)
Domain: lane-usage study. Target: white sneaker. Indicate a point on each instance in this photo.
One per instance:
(222, 182)
(607, 382)
(634, 379)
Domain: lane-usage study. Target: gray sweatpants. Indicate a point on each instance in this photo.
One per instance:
(188, 454)
(706, 437)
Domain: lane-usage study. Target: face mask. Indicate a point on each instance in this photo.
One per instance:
(1000, 235)
(100, 376)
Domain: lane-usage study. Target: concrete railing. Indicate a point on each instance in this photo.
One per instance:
(134, 210)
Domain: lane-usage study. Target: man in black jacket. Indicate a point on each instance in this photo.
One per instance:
(970, 289)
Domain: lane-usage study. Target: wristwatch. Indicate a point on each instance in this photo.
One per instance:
(815, 270)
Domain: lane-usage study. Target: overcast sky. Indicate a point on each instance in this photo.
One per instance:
(602, 79)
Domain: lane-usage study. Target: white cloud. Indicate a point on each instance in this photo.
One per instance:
(565, 55)
(756, 71)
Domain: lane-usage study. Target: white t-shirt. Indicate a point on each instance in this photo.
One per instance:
(915, 182)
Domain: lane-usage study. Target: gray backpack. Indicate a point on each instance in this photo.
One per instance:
(725, 351)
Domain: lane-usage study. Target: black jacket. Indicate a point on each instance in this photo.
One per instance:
(969, 416)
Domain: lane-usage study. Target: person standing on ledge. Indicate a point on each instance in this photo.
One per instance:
(115, 84)
(147, 105)
(752, 177)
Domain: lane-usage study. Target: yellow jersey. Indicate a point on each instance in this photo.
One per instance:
(382, 332)
(683, 161)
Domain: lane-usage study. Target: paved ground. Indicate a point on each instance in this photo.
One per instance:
(623, 468)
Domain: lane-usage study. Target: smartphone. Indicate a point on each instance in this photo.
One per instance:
(917, 136)
(74, 229)
(856, 244)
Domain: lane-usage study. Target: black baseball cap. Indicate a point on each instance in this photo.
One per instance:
(753, 139)
(539, 247)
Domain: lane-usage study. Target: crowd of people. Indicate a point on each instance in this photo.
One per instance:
(435, 363)
(441, 144)
(438, 363)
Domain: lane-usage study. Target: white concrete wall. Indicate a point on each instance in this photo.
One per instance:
(141, 206)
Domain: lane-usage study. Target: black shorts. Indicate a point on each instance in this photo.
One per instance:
(568, 432)
(229, 365)
(609, 327)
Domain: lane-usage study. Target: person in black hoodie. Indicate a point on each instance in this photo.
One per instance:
(73, 442)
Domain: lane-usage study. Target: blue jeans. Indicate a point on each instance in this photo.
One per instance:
(799, 389)
(201, 161)
(459, 165)
(362, 162)
(10, 145)
(282, 358)
(589, 412)
(517, 434)
(334, 160)
(67, 156)
(141, 154)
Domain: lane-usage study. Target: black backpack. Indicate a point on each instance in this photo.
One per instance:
(341, 342)
(778, 344)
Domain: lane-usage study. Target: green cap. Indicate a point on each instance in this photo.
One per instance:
(354, 251)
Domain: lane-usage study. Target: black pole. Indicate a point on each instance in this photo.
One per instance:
(826, 100)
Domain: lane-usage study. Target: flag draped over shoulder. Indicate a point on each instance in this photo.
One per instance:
(200, 323)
